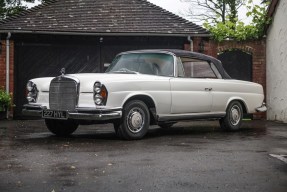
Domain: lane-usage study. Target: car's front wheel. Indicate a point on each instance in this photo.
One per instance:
(233, 118)
(61, 127)
(135, 121)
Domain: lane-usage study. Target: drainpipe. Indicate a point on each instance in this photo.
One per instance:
(191, 43)
(7, 61)
(7, 65)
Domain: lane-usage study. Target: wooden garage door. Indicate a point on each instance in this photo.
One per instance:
(238, 64)
(45, 58)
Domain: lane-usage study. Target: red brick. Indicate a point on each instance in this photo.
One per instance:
(3, 68)
(256, 48)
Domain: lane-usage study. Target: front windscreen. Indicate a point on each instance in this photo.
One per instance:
(145, 63)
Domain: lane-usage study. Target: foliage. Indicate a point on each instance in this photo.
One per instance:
(237, 30)
(12, 7)
(259, 17)
(213, 11)
(9, 8)
(5, 100)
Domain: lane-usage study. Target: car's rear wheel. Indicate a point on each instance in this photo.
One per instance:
(61, 127)
(233, 118)
(135, 121)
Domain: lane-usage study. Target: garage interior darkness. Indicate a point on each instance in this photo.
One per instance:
(44, 56)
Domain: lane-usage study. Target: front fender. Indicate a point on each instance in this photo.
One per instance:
(135, 94)
(160, 99)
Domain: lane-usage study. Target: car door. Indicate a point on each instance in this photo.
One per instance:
(191, 90)
(190, 95)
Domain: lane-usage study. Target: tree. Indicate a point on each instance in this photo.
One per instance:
(214, 11)
(12, 7)
(234, 5)
(221, 18)
(237, 30)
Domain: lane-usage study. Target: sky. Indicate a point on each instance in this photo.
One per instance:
(174, 6)
(179, 7)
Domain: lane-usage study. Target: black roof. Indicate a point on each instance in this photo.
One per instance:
(101, 17)
(184, 53)
(188, 54)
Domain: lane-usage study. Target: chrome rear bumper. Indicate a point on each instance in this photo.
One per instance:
(263, 108)
(79, 113)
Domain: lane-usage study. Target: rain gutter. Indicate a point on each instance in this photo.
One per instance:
(105, 33)
(7, 61)
(191, 42)
(7, 66)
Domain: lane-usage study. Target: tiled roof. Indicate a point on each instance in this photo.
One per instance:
(101, 17)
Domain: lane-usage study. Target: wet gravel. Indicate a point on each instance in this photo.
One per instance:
(191, 156)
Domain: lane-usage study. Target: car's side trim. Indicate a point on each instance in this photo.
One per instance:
(179, 117)
(97, 110)
(89, 116)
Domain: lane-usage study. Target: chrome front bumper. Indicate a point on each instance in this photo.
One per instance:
(79, 113)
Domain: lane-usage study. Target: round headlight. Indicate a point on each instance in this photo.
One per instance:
(31, 99)
(100, 93)
(30, 86)
(32, 92)
(97, 90)
(97, 84)
(98, 101)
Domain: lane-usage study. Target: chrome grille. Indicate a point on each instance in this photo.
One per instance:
(63, 94)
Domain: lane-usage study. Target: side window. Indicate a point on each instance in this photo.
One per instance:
(180, 68)
(215, 70)
(198, 69)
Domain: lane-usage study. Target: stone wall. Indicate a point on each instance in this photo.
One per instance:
(277, 65)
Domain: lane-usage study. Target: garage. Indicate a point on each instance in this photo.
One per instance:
(81, 36)
(44, 56)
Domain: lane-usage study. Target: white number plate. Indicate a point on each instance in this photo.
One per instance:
(52, 114)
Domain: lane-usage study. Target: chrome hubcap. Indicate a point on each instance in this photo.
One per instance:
(135, 120)
(235, 115)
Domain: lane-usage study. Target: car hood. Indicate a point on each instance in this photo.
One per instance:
(110, 77)
(87, 80)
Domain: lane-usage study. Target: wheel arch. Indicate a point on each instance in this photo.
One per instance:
(150, 103)
(241, 101)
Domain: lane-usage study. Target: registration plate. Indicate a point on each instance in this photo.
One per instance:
(52, 114)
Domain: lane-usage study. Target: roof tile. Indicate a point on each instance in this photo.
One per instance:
(101, 16)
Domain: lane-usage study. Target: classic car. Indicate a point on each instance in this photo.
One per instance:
(143, 88)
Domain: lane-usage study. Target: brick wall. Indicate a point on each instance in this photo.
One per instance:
(3, 67)
(258, 51)
(256, 48)
(3, 64)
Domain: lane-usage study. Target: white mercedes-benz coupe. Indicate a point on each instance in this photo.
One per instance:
(143, 88)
